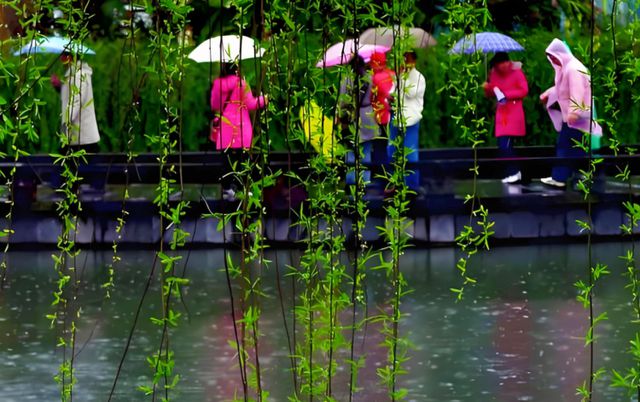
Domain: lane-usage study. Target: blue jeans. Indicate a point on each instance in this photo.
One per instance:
(505, 150)
(566, 148)
(367, 150)
(412, 180)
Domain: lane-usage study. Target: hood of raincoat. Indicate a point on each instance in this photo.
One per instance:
(560, 51)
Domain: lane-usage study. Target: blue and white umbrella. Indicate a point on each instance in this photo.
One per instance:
(486, 42)
(53, 44)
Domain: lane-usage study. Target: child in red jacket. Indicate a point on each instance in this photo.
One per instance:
(382, 84)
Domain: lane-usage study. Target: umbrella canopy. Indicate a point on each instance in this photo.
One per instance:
(486, 42)
(366, 51)
(53, 44)
(343, 52)
(385, 36)
(340, 53)
(226, 49)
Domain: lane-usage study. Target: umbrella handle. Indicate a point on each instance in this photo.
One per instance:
(486, 69)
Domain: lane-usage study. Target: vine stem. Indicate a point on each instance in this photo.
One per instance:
(589, 212)
(291, 340)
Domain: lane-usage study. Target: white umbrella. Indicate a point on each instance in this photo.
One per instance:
(53, 44)
(385, 36)
(226, 49)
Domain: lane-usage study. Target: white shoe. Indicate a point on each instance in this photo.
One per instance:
(513, 178)
(549, 181)
(229, 195)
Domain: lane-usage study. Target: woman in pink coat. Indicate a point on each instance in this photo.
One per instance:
(569, 105)
(232, 98)
(508, 85)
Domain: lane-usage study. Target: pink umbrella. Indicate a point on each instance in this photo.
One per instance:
(342, 53)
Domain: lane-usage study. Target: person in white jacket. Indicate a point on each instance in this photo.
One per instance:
(409, 96)
(79, 125)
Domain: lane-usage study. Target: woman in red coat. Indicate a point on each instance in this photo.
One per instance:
(508, 85)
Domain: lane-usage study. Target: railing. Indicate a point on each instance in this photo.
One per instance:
(199, 167)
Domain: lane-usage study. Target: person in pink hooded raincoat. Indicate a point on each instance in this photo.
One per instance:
(569, 105)
(507, 80)
(231, 97)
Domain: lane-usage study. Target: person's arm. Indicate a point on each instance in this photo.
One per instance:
(416, 89)
(55, 82)
(545, 95)
(488, 86)
(252, 102)
(519, 90)
(488, 89)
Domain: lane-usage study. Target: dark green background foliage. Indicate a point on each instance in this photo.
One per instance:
(122, 77)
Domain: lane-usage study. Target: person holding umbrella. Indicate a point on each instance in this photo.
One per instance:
(231, 99)
(409, 92)
(508, 84)
(355, 106)
(568, 103)
(411, 88)
(79, 124)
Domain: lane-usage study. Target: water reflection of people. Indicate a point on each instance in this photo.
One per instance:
(514, 347)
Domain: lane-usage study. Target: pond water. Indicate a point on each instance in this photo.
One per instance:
(518, 335)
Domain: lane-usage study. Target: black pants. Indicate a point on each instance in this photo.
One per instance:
(228, 176)
(88, 148)
(505, 150)
(56, 176)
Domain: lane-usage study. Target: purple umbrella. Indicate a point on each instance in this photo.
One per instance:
(486, 42)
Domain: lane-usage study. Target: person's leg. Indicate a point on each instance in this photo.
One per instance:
(227, 158)
(566, 148)
(391, 149)
(96, 181)
(91, 148)
(367, 151)
(505, 150)
(350, 161)
(411, 142)
(365, 158)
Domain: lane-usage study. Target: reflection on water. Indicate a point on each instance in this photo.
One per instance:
(518, 336)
